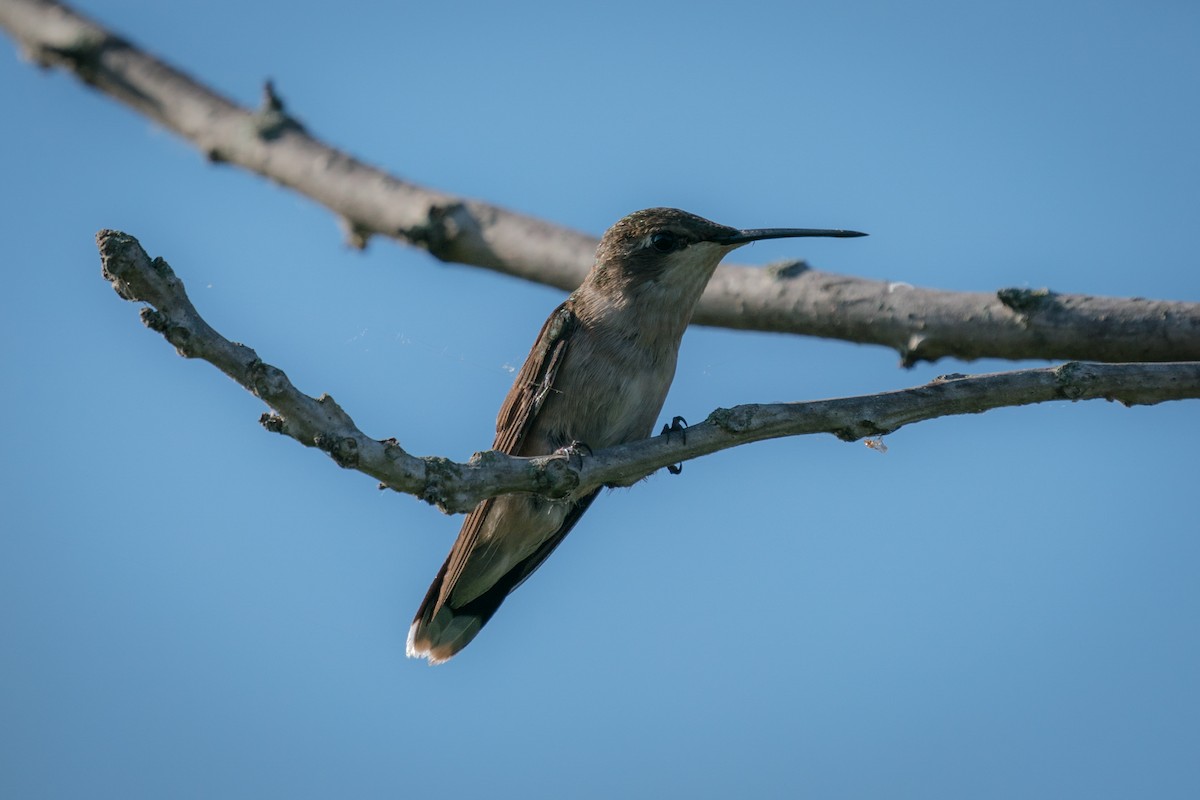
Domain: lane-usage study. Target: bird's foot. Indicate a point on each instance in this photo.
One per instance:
(574, 452)
(678, 425)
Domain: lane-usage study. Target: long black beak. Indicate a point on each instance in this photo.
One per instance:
(753, 235)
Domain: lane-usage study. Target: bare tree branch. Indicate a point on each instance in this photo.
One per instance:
(456, 487)
(920, 324)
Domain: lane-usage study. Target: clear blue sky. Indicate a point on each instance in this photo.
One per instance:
(1001, 606)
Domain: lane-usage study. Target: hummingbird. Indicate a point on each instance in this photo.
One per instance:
(597, 376)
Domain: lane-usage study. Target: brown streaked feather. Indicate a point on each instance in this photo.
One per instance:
(535, 381)
(532, 386)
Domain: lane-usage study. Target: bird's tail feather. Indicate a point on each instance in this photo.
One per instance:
(441, 628)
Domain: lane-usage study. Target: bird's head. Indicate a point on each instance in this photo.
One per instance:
(672, 252)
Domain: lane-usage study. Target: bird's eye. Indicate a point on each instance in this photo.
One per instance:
(664, 241)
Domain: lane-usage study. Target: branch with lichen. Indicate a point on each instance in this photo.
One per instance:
(456, 487)
(920, 324)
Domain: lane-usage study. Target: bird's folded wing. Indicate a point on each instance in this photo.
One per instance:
(533, 385)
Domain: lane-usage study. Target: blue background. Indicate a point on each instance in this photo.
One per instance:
(1002, 605)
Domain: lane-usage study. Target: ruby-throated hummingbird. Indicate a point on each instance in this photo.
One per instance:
(597, 375)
